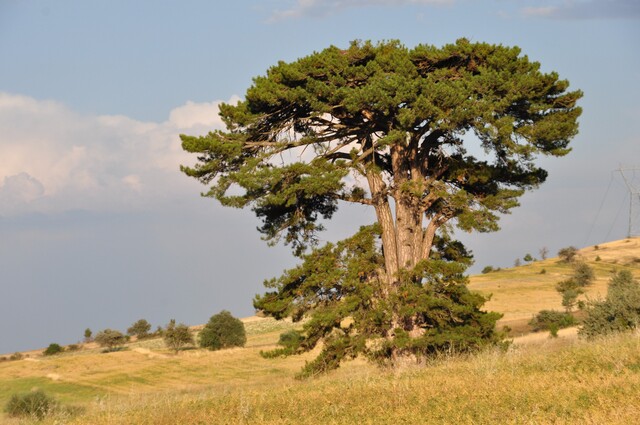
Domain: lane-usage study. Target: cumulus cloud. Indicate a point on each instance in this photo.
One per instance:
(587, 9)
(302, 8)
(55, 159)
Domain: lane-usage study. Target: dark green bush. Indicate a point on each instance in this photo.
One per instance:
(551, 320)
(620, 311)
(487, 269)
(53, 349)
(35, 404)
(223, 331)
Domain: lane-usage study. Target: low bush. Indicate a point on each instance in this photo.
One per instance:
(110, 339)
(551, 320)
(619, 311)
(487, 269)
(223, 331)
(177, 336)
(35, 404)
(53, 349)
(568, 254)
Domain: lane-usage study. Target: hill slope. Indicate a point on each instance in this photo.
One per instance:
(562, 380)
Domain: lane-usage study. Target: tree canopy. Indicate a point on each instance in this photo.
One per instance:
(431, 138)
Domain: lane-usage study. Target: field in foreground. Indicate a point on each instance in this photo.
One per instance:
(562, 380)
(538, 380)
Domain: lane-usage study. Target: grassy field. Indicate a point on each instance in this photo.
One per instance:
(538, 380)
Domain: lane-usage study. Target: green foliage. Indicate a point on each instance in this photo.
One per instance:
(223, 331)
(357, 107)
(619, 311)
(177, 336)
(290, 341)
(87, 335)
(487, 269)
(337, 288)
(140, 329)
(583, 274)
(568, 254)
(572, 288)
(110, 339)
(16, 356)
(386, 126)
(548, 320)
(53, 349)
(34, 404)
(528, 258)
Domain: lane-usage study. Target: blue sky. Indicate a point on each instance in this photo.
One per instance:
(97, 226)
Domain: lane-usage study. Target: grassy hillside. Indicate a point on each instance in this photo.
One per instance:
(538, 380)
(520, 292)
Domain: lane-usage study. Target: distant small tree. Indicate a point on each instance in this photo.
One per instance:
(177, 336)
(110, 339)
(528, 258)
(544, 251)
(517, 263)
(487, 269)
(87, 335)
(140, 329)
(583, 274)
(619, 311)
(568, 254)
(53, 349)
(223, 331)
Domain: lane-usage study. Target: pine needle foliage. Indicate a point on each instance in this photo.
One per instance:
(388, 127)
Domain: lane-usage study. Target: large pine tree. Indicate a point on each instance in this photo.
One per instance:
(430, 138)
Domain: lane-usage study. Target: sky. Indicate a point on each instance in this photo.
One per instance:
(98, 228)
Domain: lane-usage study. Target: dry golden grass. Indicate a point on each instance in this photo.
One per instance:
(538, 380)
(521, 292)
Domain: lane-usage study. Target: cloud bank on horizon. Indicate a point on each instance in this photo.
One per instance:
(54, 159)
(555, 9)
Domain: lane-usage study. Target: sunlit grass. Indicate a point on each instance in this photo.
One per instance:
(538, 380)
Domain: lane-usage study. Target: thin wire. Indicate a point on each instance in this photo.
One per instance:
(624, 202)
(599, 209)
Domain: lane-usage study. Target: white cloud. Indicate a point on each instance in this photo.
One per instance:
(302, 8)
(54, 159)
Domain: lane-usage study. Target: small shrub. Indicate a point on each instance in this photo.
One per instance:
(110, 339)
(528, 258)
(53, 349)
(87, 335)
(177, 336)
(290, 342)
(598, 258)
(140, 329)
(73, 347)
(619, 311)
(16, 356)
(543, 271)
(583, 274)
(223, 331)
(547, 320)
(35, 404)
(568, 254)
(517, 263)
(596, 247)
(487, 269)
